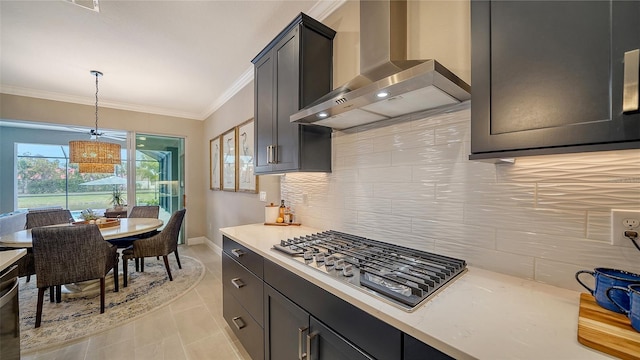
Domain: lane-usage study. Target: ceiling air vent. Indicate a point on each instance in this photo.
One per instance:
(87, 4)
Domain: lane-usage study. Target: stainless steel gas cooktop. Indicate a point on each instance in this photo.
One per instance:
(405, 277)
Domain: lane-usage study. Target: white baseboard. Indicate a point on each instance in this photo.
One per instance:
(196, 240)
(203, 240)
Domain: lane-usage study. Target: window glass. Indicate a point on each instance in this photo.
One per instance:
(45, 178)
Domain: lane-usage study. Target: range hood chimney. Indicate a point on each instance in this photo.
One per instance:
(389, 85)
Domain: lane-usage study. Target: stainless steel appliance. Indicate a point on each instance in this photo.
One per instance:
(9, 315)
(405, 277)
(389, 84)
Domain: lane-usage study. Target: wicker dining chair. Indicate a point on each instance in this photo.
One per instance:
(68, 254)
(147, 211)
(162, 244)
(37, 218)
(151, 211)
(48, 217)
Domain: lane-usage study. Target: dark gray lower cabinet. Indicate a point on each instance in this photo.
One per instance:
(292, 333)
(278, 315)
(286, 323)
(415, 349)
(242, 288)
(324, 343)
(370, 335)
(243, 325)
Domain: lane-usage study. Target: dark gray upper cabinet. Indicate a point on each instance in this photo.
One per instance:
(294, 70)
(548, 77)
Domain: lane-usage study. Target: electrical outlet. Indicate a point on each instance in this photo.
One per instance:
(621, 221)
(263, 196)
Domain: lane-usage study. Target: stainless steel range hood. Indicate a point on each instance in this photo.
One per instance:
(389, 85)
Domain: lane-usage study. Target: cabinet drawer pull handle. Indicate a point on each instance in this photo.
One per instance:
(237, 252)
(301, 355)
(310, 338)
(275, 154)
(631, 80)
(237, 321)
(269, 155)
(237, 283)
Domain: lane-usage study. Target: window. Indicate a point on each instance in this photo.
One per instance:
(45, 178)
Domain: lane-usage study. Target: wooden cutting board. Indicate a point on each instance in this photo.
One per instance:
(606, 331)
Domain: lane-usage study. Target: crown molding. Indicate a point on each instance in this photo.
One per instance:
(320, 11)
(241, 82)
(83, 100)
(323, 8)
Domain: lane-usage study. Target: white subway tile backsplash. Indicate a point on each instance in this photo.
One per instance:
(385, 174)
(357, 147)
(398, 141)
(562, 274)
(404, 191)
(506, 263)
(455, 172)
(409, 181)
(566, 249)
(455, 232)
(378, 223)
(434, 210)
(599, 226)
(613, 167)
(555, 222)
(368, 204)
(589, 196)
(515, 194)
(429, 155)
(363, 161)
(455, 132)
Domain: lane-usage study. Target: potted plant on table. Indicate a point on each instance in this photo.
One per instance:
(117, 199)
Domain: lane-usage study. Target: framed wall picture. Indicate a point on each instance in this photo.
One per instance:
(247, 180)
(214, 163)
(229, 154)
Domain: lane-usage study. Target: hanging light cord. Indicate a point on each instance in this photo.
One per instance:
(97, 75)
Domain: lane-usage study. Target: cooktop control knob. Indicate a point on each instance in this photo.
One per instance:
(339, 264)
(320, 257)
(329, 261)
(308, 255)
(347, 270)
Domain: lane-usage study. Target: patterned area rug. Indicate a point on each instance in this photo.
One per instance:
(77, 317)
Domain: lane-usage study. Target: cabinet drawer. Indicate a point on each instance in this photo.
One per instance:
(415, 349)
(375, 337)
(243, 325)
(244, 256)
(244, 286)
(324, 343)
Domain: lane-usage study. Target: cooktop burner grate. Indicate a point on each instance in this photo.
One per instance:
(404, 276)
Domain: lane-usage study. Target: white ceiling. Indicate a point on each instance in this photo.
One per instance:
(179, 58)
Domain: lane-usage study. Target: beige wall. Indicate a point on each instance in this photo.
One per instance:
(225, 208)
(46, 111)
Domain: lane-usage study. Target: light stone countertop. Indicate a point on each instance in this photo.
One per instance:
(481, 315)
(10, 256)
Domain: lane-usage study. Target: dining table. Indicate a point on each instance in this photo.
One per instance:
(127, 227)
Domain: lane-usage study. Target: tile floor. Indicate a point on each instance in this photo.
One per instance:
(191, 327)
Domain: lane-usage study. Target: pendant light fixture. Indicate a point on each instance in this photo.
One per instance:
(96, 168)
(94, 156)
